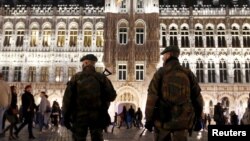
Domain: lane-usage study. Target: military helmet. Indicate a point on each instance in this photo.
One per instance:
(170, 48)
(89, 57)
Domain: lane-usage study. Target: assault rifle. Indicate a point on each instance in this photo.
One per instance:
(106, 72)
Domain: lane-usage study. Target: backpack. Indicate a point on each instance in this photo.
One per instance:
(174, 104)
(91, 89)
(88, 92)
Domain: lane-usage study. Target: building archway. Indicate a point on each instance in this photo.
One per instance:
(127, 96)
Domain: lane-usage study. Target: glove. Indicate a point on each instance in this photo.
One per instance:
(149, 125)
(67, 124)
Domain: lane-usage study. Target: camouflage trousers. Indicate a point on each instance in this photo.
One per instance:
(80, 134)
(166, 135)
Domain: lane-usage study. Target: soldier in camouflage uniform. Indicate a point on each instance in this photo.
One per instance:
(174, 99)
(86, 98)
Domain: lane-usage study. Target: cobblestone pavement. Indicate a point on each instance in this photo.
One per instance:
(122, 134)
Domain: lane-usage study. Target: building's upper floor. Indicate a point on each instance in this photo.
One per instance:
(100, 7)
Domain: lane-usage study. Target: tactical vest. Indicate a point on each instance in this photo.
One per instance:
(174, 105)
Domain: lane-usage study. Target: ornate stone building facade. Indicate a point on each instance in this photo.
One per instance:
(41, 44)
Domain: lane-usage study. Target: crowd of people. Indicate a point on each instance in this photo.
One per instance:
(43, 115)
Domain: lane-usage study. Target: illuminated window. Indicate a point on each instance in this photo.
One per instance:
(46, 37)
(210, 37)
(17, 74)
(20, 37)
(123, 33)
(247, 71)
(7, 37)
(246, 36)
(44, 74)
(200, 71)
(163, 36)
(32, 74)
(139, 3)
(198, 37)
(73, 37)
(71, 72)
(237, 72)
(235, 37)
(139, 34)
(123, 4)
(185, 63)
(211, 72)
(223, 71)
(34, 37)
(59, 74)
(61, 37)
(221, 37)
(5, 72)
(99, 37)
(173, 36)
(122, 72)
(184, 37)
(87, 37)
(139, 72)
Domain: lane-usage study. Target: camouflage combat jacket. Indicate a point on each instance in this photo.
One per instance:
(155, 92)
(86, 110)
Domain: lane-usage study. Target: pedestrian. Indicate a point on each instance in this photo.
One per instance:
(5, 100)
(55, 114)
(28, 110)
(86, 101)
(11, 113)
(138, 118)
(209, 119)
(173, 100)
(42, 110)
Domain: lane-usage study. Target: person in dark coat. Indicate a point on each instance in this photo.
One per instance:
(174, 100)
(28, 107)
(86, 101)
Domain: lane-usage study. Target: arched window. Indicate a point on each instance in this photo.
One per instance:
(20, 35)
(237, 72)
(73, 34)
(173, 36)
(184, 37)
(223, 71)
(7, 36)
(246, 36)
(221, 37)
(123, 33)
(198, 36)
(185, 63)
(47, 36)
(200, 71)
(34, 36)
(210, 36)
(235, 36)
(140, 33)
(247, 70)
(87, 33)
(61, 36)
(99, 36)
(211, 72)
(163, 36)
